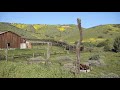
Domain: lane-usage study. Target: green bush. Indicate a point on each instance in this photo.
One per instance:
(116, 44)
(2, 56)
(94, 57)
(89, 44)
(103, 43)
(100, 36)
(106, 32)
(107, 48)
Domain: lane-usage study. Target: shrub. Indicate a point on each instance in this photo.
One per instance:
(94, 57)
(107, 48)
(101, 44)
(110, 29)
(2, 56)
(100, 36)
(116, 44)
(89, 44)
(106, 32)
(104, 43)
(111, 34)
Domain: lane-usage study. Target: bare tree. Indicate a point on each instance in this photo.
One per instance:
(78, 46)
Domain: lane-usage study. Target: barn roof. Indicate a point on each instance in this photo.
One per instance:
(3, 32)
(11, 32)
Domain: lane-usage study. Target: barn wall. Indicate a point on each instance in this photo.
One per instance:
(12, 38)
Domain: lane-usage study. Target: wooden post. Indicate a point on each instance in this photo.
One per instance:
(78, 45)
(33, 55)
(67, 51)
(69, 48)
(13, 56)
(44, 54)
(6, 52)
(48, 51)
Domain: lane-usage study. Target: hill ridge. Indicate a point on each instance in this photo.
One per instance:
(69, 35)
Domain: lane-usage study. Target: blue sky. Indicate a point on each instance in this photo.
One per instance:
(89, 19)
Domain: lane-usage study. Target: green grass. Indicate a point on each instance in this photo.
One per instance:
(23, 70)
(19, 68)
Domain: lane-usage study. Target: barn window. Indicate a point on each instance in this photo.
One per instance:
(8, 44)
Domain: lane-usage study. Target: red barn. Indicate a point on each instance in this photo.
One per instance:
(11, 39)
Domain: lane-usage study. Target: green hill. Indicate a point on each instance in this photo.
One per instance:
(102, 32)
(70, 34)
(9, 27)
(42, 31)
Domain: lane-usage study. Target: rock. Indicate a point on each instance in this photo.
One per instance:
(85, 71)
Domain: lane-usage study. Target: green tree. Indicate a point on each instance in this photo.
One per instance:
(116, 44)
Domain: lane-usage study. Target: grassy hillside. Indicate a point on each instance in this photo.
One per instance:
(70, 34)
(101, 33)
(106, 31)
(42, 31)
(9, 27)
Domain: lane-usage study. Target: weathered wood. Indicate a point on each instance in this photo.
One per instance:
(48, 51)
(33, 55)
(10, 38)
(13, 57)
(78, 45)
(6, 52)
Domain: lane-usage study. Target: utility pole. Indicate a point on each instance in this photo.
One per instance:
(79, 45)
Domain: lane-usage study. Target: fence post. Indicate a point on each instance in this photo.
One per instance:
(44, 53)
(33, 55)
(48, 51)
(6, 53)
(13, 56)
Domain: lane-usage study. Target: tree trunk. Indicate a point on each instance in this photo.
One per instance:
(78, 46)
